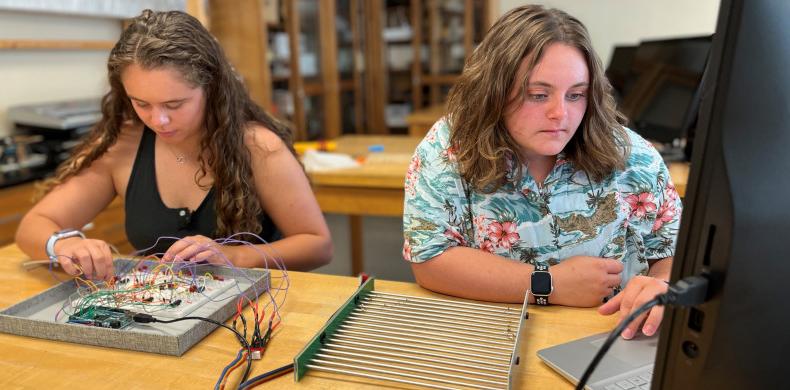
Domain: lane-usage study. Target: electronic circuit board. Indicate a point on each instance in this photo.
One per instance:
(160, 294)
(105, 317)
(46, 314)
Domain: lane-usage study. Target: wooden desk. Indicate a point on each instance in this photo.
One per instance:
(312, 298)
(376, 187)
(420, 121)
(373, 189)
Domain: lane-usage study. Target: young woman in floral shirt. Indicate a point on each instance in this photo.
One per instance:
(532, 166)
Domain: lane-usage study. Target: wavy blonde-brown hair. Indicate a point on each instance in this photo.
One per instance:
(178, 40)
(480, 99)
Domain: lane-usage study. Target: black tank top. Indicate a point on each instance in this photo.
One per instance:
(147, 217)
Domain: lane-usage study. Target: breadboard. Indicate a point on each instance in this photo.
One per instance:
(156, 294)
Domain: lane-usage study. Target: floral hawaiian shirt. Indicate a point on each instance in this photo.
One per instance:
(633, 215)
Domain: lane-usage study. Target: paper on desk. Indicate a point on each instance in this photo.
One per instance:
(315, 161)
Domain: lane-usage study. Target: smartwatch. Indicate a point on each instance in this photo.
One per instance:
(542, 285)
(65, 233)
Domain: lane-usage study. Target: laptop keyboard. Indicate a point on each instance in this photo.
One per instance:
(636, 381)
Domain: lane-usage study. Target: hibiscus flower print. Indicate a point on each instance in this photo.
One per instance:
(487, 246)
(666, 213)
(641, 204)
(454, 235)
(431, 136)
(412, 174)
(481, 227)
(503, 234)
(406, 250)
(670, 193)
(449, 153)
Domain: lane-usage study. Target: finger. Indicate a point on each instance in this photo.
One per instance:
(211, 255)
(634, 325)
(204, 245)
(613, 280)
(68, 266)
(613, 266)
(107, 253)
(630, 294)
(175, 249)
(631, 329)
(104, 260)
(190, 246)
(653, 320)
(612, 306)
(83, 258)
(189, 253)
(98, 260)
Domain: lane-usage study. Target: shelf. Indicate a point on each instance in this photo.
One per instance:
(441, 79)
(55, 44)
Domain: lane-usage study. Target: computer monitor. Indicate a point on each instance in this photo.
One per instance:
(735, 228)
(656, 83)
(619, 71)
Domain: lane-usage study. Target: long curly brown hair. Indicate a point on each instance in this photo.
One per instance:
(178, 40)
(480, 99)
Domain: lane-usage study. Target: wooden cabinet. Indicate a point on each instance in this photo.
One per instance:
(107, 226)
(333, 67)
(425, 44)
(292, 62)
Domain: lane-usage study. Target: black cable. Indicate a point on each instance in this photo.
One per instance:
(147, 318)
(243, 324)
(688, 291)
(256, 380)
(611, 339)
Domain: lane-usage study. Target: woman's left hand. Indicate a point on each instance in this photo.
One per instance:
(638, 291)
(197, 249)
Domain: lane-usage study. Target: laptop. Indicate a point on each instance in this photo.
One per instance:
(627, 366)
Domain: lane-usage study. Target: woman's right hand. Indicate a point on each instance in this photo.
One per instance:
(584, 281)
(85, 256)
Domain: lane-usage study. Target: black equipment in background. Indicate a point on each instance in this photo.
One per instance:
(656, 84)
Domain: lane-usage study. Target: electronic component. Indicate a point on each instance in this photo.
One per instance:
(158, 291)
(105, 317)
(171, 296)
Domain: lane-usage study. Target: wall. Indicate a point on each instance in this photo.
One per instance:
(617, 22)
(29, 76)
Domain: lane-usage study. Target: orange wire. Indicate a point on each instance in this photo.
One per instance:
(227, 374)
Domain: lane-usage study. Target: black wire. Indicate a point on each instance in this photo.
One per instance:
(243, 324)
(613, 336)
(266, 376)
(238, 335)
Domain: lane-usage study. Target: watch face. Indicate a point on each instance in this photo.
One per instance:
(541, 283)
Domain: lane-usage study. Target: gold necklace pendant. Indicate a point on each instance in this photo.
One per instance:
(180, 159)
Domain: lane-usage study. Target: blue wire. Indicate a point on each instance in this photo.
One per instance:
(225, 371)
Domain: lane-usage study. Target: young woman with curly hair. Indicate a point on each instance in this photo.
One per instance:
(532, 184)
(191, 155)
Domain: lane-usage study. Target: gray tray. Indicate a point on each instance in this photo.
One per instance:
(35, 316)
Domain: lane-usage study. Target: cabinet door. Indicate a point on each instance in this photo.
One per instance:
(350, 64)
(304, 64)
(445, 34)
(266, 39)
(421, 52)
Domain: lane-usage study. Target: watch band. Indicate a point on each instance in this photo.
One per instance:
(66, 233)
(542, 299)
